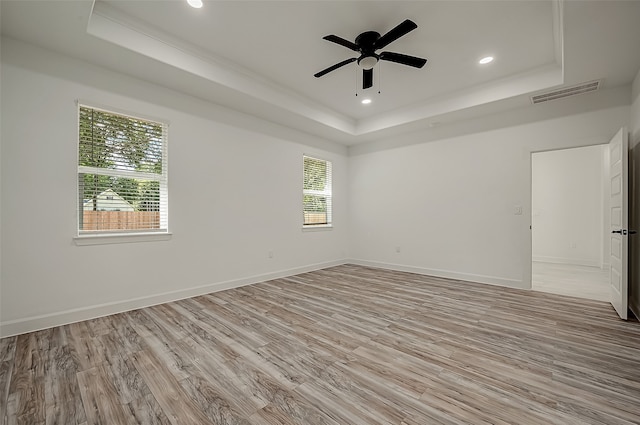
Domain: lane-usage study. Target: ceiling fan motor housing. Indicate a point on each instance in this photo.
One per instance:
(365, 42)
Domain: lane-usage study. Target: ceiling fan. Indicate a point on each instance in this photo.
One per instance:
(367, 43)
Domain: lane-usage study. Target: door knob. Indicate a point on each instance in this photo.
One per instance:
(624, 232)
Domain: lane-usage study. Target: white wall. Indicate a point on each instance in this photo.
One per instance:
(567, 206)
(234, 194)
(634, 190)
(449, 204)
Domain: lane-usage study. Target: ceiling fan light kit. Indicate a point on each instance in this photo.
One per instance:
(366, 44)
(368, 62)
(196, 4)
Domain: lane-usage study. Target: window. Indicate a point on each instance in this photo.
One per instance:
(316, 192)
(122, 173)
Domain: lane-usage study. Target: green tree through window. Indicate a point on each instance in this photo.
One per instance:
(316, 191)
(125, 156)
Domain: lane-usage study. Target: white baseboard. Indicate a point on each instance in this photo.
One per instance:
(35, 323)
(560, 260)
(491, 280)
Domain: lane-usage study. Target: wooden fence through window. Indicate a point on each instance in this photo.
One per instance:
(315, 218)
(136, 220)
(120, 220)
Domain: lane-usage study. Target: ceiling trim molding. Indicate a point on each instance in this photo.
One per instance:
(614, 99)
(104, 23)
(542, 78)
(539, 79)
(558, 33)
(107, 23)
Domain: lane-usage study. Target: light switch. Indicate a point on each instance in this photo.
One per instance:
(517, 210)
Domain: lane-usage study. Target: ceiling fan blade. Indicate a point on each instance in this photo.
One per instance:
(367, 78)
(341, 41)
(397, 32)
(403, 59)
(334, 67)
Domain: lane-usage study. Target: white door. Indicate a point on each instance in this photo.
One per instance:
(619, 239)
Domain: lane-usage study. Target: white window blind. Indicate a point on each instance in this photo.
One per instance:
(122, 173)
(316, 192)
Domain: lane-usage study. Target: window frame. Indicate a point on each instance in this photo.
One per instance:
(97, 237)
(327, 193)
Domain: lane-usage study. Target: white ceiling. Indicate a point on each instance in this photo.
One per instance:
(259, 57)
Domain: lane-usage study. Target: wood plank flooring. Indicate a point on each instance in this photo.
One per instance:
(344, 345)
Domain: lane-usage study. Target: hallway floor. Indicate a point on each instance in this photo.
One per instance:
(568, 279)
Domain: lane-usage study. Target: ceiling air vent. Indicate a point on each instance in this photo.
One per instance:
(566, 92)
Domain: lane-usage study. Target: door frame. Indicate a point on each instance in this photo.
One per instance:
(527, 273)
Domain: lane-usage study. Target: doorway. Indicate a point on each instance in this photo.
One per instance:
(570, 222)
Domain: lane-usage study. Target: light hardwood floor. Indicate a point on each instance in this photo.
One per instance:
(571, 280)
(346, 345)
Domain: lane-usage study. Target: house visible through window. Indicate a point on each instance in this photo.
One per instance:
(122, 173)
(316, 192)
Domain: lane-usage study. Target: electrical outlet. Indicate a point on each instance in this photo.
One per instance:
(270, 254)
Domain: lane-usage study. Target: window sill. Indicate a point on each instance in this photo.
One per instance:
(317, 227)
(120, 238)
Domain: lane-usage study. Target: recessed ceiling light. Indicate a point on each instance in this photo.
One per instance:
(366, 101)
(195, 3)
(486, 60)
